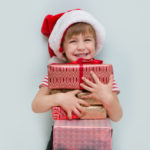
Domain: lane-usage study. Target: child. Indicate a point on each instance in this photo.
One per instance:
(72, 35)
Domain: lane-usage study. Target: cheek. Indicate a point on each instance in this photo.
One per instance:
(68, 53)
(91, 45)
(68, 48)
(93, 51)
(92, 48)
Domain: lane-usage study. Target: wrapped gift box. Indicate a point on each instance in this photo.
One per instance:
(82, 135)
(92, 112)
(90, 101)
(69, 75)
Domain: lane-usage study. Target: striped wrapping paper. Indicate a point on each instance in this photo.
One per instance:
(69, 76)
(82, 135)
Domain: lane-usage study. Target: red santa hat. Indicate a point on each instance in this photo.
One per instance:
(54, 27)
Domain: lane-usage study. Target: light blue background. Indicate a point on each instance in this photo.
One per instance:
(23, 64)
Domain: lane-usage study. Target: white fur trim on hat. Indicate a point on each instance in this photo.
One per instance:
(68, 19)
(55, 59)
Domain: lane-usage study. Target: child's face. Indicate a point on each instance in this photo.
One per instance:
(79, 46)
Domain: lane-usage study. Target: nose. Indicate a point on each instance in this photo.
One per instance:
(81, 46)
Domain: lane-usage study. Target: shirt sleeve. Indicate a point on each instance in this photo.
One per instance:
(44, 82)
(114, 86)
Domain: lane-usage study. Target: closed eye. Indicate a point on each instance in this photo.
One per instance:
(72, 41)
(88, 40)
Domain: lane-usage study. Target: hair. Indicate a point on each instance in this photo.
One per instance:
(79, 28)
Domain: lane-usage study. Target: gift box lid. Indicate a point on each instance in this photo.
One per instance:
(104, 123)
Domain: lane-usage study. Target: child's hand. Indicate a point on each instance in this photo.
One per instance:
(98, 90)
(70, 103)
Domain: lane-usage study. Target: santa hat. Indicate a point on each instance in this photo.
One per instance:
(54, 27)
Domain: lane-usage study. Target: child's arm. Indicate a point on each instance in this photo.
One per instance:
(68, 101)
(43, 101)
(104, 93)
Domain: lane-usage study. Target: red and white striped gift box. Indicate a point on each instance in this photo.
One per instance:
(82, 135)
(69, 75)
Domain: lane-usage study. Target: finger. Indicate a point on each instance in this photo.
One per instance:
(76, 91)
(88, 82)
(86, 87)
(83, 103)
(94, 76)
(87, 96)
(111, 79)
(69, 114)
(76, 111)
(81, 109)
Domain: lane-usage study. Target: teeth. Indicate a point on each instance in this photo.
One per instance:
(81, 55)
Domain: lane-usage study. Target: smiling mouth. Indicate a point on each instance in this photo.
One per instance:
(81, 55)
